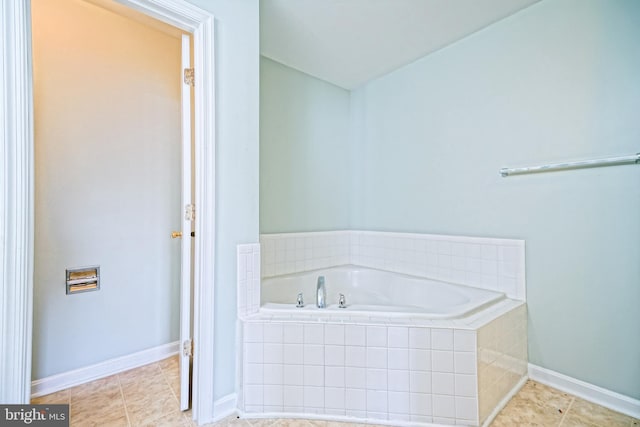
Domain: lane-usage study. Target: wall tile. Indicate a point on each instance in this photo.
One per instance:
(442, 361)
(355, 378)
(334, 376)
(420, 382)
(334, 334)
(376, 379)
(398, 380)
(376, 336)
(419, 360)
(495, 264)
(355, 335)
(248, 277)
(398, 337)
(442, 339)
(444, 406)
(420, 404)
(273, 374)
(334, 398)
(442, 383)
(355, 356)
(334, 355)
(356, 399)
(420, 338)
(293, 375)
(398, 358)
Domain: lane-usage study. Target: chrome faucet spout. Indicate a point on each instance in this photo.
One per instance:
(321, 294)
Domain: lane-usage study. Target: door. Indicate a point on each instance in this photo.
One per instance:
(187, 221)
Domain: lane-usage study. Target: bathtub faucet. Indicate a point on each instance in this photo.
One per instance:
(321, 294)
(342, 303)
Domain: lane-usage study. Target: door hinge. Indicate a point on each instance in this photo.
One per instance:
(190, 212)
(187, 348)
(189, 76)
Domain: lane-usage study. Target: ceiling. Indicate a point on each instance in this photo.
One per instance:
(349, 42)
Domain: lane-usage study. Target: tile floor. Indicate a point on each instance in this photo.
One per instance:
(148, 396)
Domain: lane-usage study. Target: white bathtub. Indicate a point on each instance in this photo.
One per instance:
(372, 292)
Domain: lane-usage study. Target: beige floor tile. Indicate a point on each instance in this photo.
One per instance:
(260, 422)
(170, 364)
(103, 386)
(291, 423)
(115, 422)
(598, 415)
(145, 389)
(524, 412)
(59, 397)
(175, 419)
(572, 421)
(151, 408)
(230, 421)
(545, 395)
(143, 372)
(97, 410)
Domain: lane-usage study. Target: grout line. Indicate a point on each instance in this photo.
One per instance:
(124, 401)
(564, 414)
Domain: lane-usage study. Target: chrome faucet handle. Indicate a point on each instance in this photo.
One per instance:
(342, 302)
(300, 303)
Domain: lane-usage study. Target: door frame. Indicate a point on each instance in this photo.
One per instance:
(17, 195)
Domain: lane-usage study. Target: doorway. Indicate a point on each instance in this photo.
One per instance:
(107, 97)
(17, 195)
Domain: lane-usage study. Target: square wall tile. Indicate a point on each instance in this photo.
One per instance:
(334, 376)
(398, 380)
(356, 356)
(313, 397)
(444, 406)
(334, 398)
(293, 333)
(420, 338)
(398, 337)
(293, 396)
(355, 377)
(464, 340)
(442, 339)
(376, 336)
(355, 335)
(355, 399)
(420, 404)
(377, 401)
(334, 334)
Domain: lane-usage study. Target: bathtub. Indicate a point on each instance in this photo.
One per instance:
(369, 292)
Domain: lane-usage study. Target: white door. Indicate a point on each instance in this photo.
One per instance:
(187, 221)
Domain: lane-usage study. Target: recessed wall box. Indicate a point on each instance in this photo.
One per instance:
(83, 279)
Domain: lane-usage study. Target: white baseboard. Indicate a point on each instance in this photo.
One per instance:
(601, 396)
(100, 370)
(224, 407)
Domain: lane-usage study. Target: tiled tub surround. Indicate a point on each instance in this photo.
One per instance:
(374, 369)
(487, 263)
(379, 367)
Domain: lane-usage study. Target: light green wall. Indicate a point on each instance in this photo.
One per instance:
(305, 167)
(556, 81)
(237, 68)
